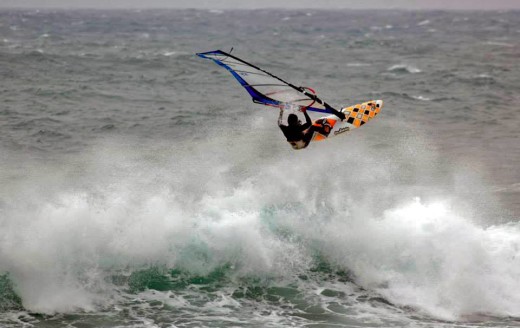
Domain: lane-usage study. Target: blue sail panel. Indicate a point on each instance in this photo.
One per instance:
(264, 87)
(257, 97)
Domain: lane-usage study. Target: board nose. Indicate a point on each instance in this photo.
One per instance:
(379, 104)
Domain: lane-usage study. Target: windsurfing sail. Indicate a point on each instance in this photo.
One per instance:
(266, 88)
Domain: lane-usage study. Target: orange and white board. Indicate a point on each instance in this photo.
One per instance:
(355, 116)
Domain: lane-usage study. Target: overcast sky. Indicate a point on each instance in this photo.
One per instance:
(251, 4)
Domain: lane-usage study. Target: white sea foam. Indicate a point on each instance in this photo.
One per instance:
(421, 98)
(169, 53)
(405, 68)
(426, 256)
(197, 209)
(357, 64)
(500, 44)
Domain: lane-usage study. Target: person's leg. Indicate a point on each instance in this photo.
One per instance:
(309, 133)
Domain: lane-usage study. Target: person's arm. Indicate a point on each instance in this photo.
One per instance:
(308, 121)
(280, 117)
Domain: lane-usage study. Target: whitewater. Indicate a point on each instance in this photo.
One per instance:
(139, 187)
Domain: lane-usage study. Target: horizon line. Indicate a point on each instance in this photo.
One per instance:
(250, 9)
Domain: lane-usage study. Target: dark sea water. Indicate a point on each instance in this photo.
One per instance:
(140, 186)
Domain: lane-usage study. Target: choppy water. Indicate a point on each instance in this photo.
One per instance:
(139, 187)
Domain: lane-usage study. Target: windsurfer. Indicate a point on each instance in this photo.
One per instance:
(300, 135)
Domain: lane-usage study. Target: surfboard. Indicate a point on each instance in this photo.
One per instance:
(356, 116)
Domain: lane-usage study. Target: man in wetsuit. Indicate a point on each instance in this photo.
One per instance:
(300, 135)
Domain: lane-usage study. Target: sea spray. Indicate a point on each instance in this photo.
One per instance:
(428, 257)
(175, 208)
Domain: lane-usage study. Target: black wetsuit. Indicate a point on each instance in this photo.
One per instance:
(296, 133)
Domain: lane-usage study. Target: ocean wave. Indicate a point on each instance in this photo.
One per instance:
(358, 64)
(422, 98)
(215, 220)
(404, 95)
(404, 68)
(500, 44)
